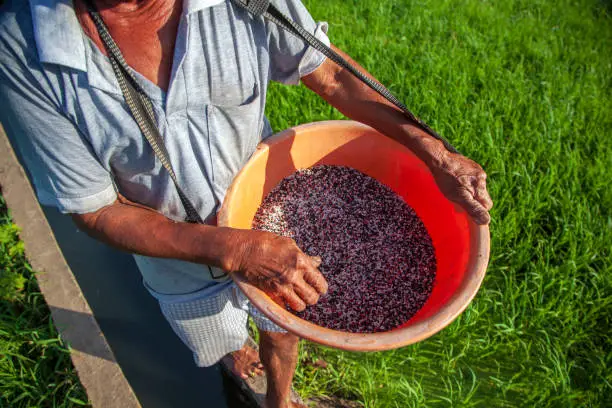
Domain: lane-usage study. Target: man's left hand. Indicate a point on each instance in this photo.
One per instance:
(463, 181)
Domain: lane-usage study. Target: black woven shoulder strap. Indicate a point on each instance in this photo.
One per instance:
(270, 12)
(141, 108)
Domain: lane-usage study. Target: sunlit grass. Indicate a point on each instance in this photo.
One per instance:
(524, 88)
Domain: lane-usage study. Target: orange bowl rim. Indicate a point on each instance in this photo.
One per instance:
(476, 269)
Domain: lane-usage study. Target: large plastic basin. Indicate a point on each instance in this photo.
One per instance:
(461, 246)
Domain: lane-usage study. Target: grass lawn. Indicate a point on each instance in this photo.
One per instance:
(35, 366)
(525, 89)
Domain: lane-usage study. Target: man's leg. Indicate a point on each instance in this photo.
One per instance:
(278, 352)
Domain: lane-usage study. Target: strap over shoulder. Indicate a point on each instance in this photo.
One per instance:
(270, 12)
(257, 7)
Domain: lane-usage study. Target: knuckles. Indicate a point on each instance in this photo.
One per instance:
(312, 300)
(290, 278)
(299, 307)
(290, 265)
(302, 262)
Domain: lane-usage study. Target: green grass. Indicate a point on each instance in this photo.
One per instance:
(35, 365)
(525, 89)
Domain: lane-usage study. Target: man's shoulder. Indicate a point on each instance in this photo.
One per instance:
(15, 16)
(16, 32)
(13, 6)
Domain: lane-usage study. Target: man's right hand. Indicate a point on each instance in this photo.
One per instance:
(276, 265)
(272, 263)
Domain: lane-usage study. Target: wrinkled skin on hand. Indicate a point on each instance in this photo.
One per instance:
(463, 181)
(276, 265)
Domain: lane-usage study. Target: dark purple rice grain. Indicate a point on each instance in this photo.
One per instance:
(378, 258)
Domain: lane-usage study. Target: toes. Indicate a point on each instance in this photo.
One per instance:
(256, 372)
(246, 363)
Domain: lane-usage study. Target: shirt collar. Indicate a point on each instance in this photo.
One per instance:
(58, 34)
(191, 6)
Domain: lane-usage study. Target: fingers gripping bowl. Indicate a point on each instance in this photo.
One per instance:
(461, 246)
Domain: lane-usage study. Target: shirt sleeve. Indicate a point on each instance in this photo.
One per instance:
(290, 57)
(61, 164)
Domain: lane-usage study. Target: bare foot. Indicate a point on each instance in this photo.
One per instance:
(276, 404)
(246, 363)
(292, 404)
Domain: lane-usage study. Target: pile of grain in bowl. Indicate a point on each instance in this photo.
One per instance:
(376, 254)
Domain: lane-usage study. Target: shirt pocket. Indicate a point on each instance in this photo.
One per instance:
(234, 132)
(234, 91)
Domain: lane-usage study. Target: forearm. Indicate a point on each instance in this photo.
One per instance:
(359, 102)
(137, 229)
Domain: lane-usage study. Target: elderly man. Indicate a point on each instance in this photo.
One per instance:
(205, 65)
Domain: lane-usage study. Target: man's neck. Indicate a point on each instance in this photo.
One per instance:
(145, 31)
(151, 11)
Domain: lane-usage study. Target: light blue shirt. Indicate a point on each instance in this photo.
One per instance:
(63, 109)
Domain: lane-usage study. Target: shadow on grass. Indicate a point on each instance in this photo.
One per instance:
(607, 6)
